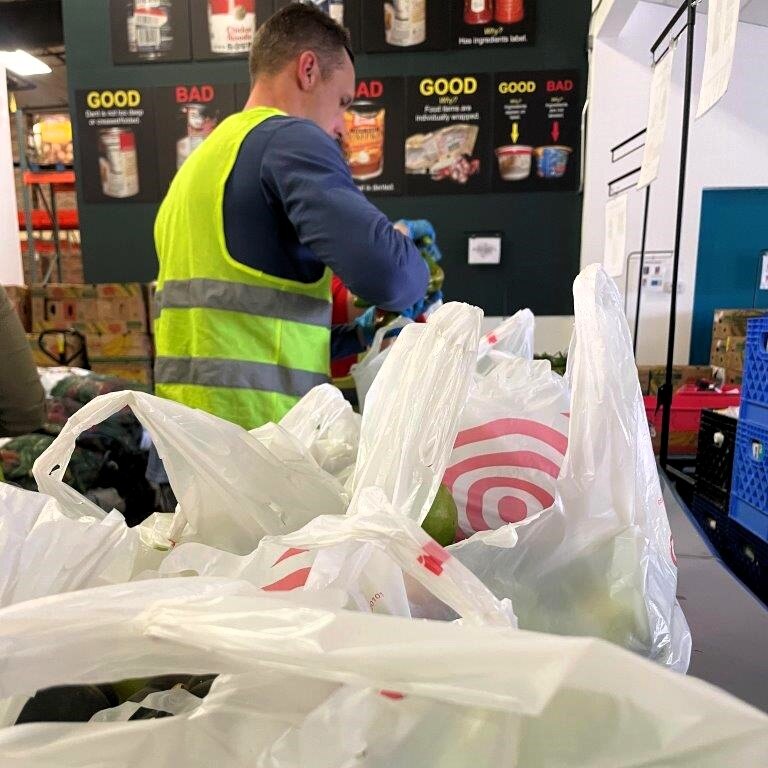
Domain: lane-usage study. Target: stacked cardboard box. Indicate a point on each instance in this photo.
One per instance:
(653, 376)
(729, 331)
(111, 316)
(20, 299)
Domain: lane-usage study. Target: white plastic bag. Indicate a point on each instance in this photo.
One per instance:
(513, 338)
(600, 561)
(403, 453)
(306, 685)
(232, 489)
(363, 555)
(43, 552)
(368, 368)
(325, 424)
(512, 440)
(414, 409)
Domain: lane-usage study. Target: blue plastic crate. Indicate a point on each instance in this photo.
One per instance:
(754, 392)
(750, 466)
(749, 517)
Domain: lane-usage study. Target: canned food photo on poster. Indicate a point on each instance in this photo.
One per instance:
(373, 140)
(405, 25)
(185, 115)
(493, 22)
(116, 140)
(225, 28)
(148, 31)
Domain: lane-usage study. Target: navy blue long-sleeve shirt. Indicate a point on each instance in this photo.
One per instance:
(291, 208)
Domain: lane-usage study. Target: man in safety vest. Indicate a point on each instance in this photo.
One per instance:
(255, 222)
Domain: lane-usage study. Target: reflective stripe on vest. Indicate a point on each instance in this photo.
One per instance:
(230, 339)
(235, 374)
(249, 299)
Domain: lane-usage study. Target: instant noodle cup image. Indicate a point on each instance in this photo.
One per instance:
(514, 162)
(552, 162)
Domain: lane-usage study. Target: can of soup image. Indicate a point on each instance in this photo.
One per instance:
(552, 161)
(231, 24)
(478, 12)
(509, 11)
(405, 22)
(364, 123)
(514, 162)
(152, 33)
(118, 163)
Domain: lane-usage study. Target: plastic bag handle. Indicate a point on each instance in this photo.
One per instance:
(379, 336)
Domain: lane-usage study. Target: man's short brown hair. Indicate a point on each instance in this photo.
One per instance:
(294, 29)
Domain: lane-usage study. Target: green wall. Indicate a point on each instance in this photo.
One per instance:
(542, 231)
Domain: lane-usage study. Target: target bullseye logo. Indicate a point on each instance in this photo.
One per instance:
(504, 471)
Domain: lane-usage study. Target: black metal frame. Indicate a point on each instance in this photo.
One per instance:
(687, 9)
(646, 206)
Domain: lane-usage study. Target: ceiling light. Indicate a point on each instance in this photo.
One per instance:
(23, 63)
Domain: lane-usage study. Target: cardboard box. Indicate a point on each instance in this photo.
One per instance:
(21, 300)
(653, 376)
(733, 322)
(60, 305)
(56, 344)
(734, 361)
(140, 371)
(111, 345)
(734, 378)
(150, 293)
(66, 305)
(122, 301)
(719, 359)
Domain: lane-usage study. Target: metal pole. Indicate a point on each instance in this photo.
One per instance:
(667, 395)
(56, 233)
(642, 265)
(21, 134)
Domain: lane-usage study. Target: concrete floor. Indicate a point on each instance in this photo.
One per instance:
(729, 625)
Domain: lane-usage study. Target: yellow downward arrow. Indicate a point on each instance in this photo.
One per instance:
(515, 133)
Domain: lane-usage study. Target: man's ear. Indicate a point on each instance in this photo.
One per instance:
(308, 70)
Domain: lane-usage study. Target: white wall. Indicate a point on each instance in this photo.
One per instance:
(729, 148)
(11, 272)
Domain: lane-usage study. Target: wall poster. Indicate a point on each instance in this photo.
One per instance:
(493, 23)
(148, 31)
(537, 123)
(116, 133)
(346, 12)
(404, 25)
(224, 28)
(448, 134)
(185, 116)
(375, 136)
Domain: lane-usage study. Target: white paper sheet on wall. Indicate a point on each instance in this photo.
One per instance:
(722, 24)
(615, 235)
(658, 107)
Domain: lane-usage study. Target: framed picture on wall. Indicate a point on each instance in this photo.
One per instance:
(149, 31)
(116, 143)
(374, 139)
(224, 29)
(537, 126)
(184, 116)
(401, 26)
(346, 12)
(492, 23)
(448, 134)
